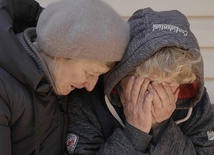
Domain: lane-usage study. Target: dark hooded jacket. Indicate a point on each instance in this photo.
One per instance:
(32, 117)
(190, 129)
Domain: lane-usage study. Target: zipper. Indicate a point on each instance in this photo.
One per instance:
(62, 120)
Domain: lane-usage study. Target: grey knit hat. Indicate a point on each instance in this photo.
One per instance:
(149, 32)
(88, 29)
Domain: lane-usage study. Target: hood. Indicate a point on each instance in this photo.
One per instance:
(149, 32)
(18, 61)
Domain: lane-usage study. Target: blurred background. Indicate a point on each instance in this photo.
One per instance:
(200, 15)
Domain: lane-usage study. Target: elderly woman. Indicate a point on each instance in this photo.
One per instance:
(74, 42)
(154, 101)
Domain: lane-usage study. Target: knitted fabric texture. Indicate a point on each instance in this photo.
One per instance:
(88, 29)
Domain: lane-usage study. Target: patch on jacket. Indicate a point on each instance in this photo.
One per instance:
(71, 142)
(210, 135)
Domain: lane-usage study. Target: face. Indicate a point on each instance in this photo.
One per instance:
(172, 83)
(76, 73)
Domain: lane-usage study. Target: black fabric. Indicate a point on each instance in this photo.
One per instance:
(26, 14)
(23, 87)
(96, 99)
(21, 14)
(106, 119)
(8, 41)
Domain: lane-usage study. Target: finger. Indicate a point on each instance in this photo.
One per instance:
(136, 89)
(122, 99)
(163, 96)
(167, 88)
(147, 105)
(156, 100)
(176, 93)
(175, 97)
(144, 88)
(169, 97)
(126, 86)
(172, 97)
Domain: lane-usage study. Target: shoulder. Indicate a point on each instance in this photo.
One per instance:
(13, 92)
(203, 106)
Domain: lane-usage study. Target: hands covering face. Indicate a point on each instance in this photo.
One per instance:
(147, 104)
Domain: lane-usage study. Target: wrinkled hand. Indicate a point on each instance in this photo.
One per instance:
(164, 102)
(137, 102)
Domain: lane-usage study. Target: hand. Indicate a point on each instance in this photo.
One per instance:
(137, 102)
(164, 102)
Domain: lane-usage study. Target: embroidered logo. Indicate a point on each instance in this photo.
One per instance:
(169, 27)
(71, 142)
(210, 135)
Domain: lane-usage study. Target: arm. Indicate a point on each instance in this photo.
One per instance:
(191, 137)
(5, 142)
(10, 11)
(83, 122)
(5, 117)
(19, 14)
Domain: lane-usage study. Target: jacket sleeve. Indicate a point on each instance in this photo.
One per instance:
(194, 136)
(5, 117)
(15, 15)
(19, 14)
(11, 11)
(84, 124)
(5, 141)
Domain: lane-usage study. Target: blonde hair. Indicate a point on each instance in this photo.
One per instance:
(170, 62)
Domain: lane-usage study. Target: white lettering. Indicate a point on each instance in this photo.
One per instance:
(169, 27)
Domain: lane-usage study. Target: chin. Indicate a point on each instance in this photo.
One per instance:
(65, 93)
(59, 92)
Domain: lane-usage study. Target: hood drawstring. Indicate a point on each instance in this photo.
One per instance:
(37, 131)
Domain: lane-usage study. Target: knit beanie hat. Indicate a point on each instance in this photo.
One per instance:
(88, 29)
(149, 32)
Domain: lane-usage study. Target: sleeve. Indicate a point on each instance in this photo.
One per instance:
(194, 136)
(26, 14)
(20, 14)
(5, 141)
(84, 124)
(15, 16)
(5, 117)
(12, 12)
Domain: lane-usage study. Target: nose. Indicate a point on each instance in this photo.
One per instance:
(90, 83)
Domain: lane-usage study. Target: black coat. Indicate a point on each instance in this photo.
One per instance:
(32, 116)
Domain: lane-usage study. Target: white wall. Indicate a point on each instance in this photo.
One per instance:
(200, 15)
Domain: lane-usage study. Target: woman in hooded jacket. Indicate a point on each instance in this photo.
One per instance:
(153, 101)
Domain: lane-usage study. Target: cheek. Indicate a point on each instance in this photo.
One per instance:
(76, 76)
